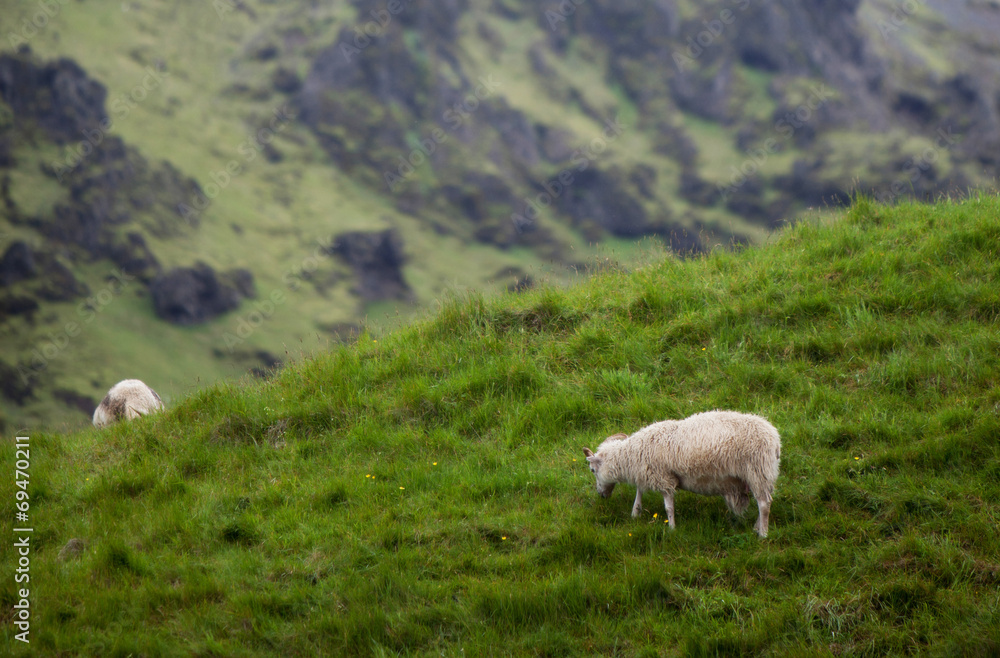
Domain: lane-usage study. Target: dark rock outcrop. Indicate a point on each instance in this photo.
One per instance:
(190, 295)
(113, 195)
(11, 305)
(376, 259)
(597, 197)
(71, 398)
(116, 186)
(286, 80)
(804, 184)
(135, 258)
(399, 109)
(59, 283)
(517, 280)
(696, 190)
(17, 264)
(113, 198)
(13, 385)
(684, 242)
(37, 275)
(57, 97)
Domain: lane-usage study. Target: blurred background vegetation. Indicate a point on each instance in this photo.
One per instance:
(194, 191)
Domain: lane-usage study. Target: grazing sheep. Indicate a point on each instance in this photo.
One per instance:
(129, 398)
(716, 453)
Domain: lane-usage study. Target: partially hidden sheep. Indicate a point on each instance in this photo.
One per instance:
(715, 453)
(128, 399)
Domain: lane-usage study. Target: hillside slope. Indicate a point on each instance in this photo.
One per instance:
(424, 491)
(267, 177)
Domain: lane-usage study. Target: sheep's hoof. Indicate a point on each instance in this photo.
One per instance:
(636, 511)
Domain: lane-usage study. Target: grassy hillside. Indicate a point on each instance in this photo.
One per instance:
(271, 218)
(789, 107)
(424, 491)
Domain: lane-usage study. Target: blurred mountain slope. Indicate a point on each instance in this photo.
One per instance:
(194, 190)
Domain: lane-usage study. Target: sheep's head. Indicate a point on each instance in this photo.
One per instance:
(595, 462)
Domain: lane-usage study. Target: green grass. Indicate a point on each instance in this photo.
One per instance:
(424, 492)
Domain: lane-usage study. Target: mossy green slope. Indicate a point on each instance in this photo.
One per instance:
(704, 151)
(424, 491)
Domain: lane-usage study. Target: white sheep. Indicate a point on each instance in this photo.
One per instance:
(128, 399)
(716, 453)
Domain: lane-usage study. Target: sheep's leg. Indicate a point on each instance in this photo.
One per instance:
(737, 502)
(668, 503)
(763, 512)
(637, 507)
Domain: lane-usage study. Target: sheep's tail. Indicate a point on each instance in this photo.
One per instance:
(766, 466)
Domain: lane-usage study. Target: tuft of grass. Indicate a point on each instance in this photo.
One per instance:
(424, 491)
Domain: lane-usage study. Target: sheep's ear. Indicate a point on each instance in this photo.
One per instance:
(588, 453)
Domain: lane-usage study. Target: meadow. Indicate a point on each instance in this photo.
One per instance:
(423, 491)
